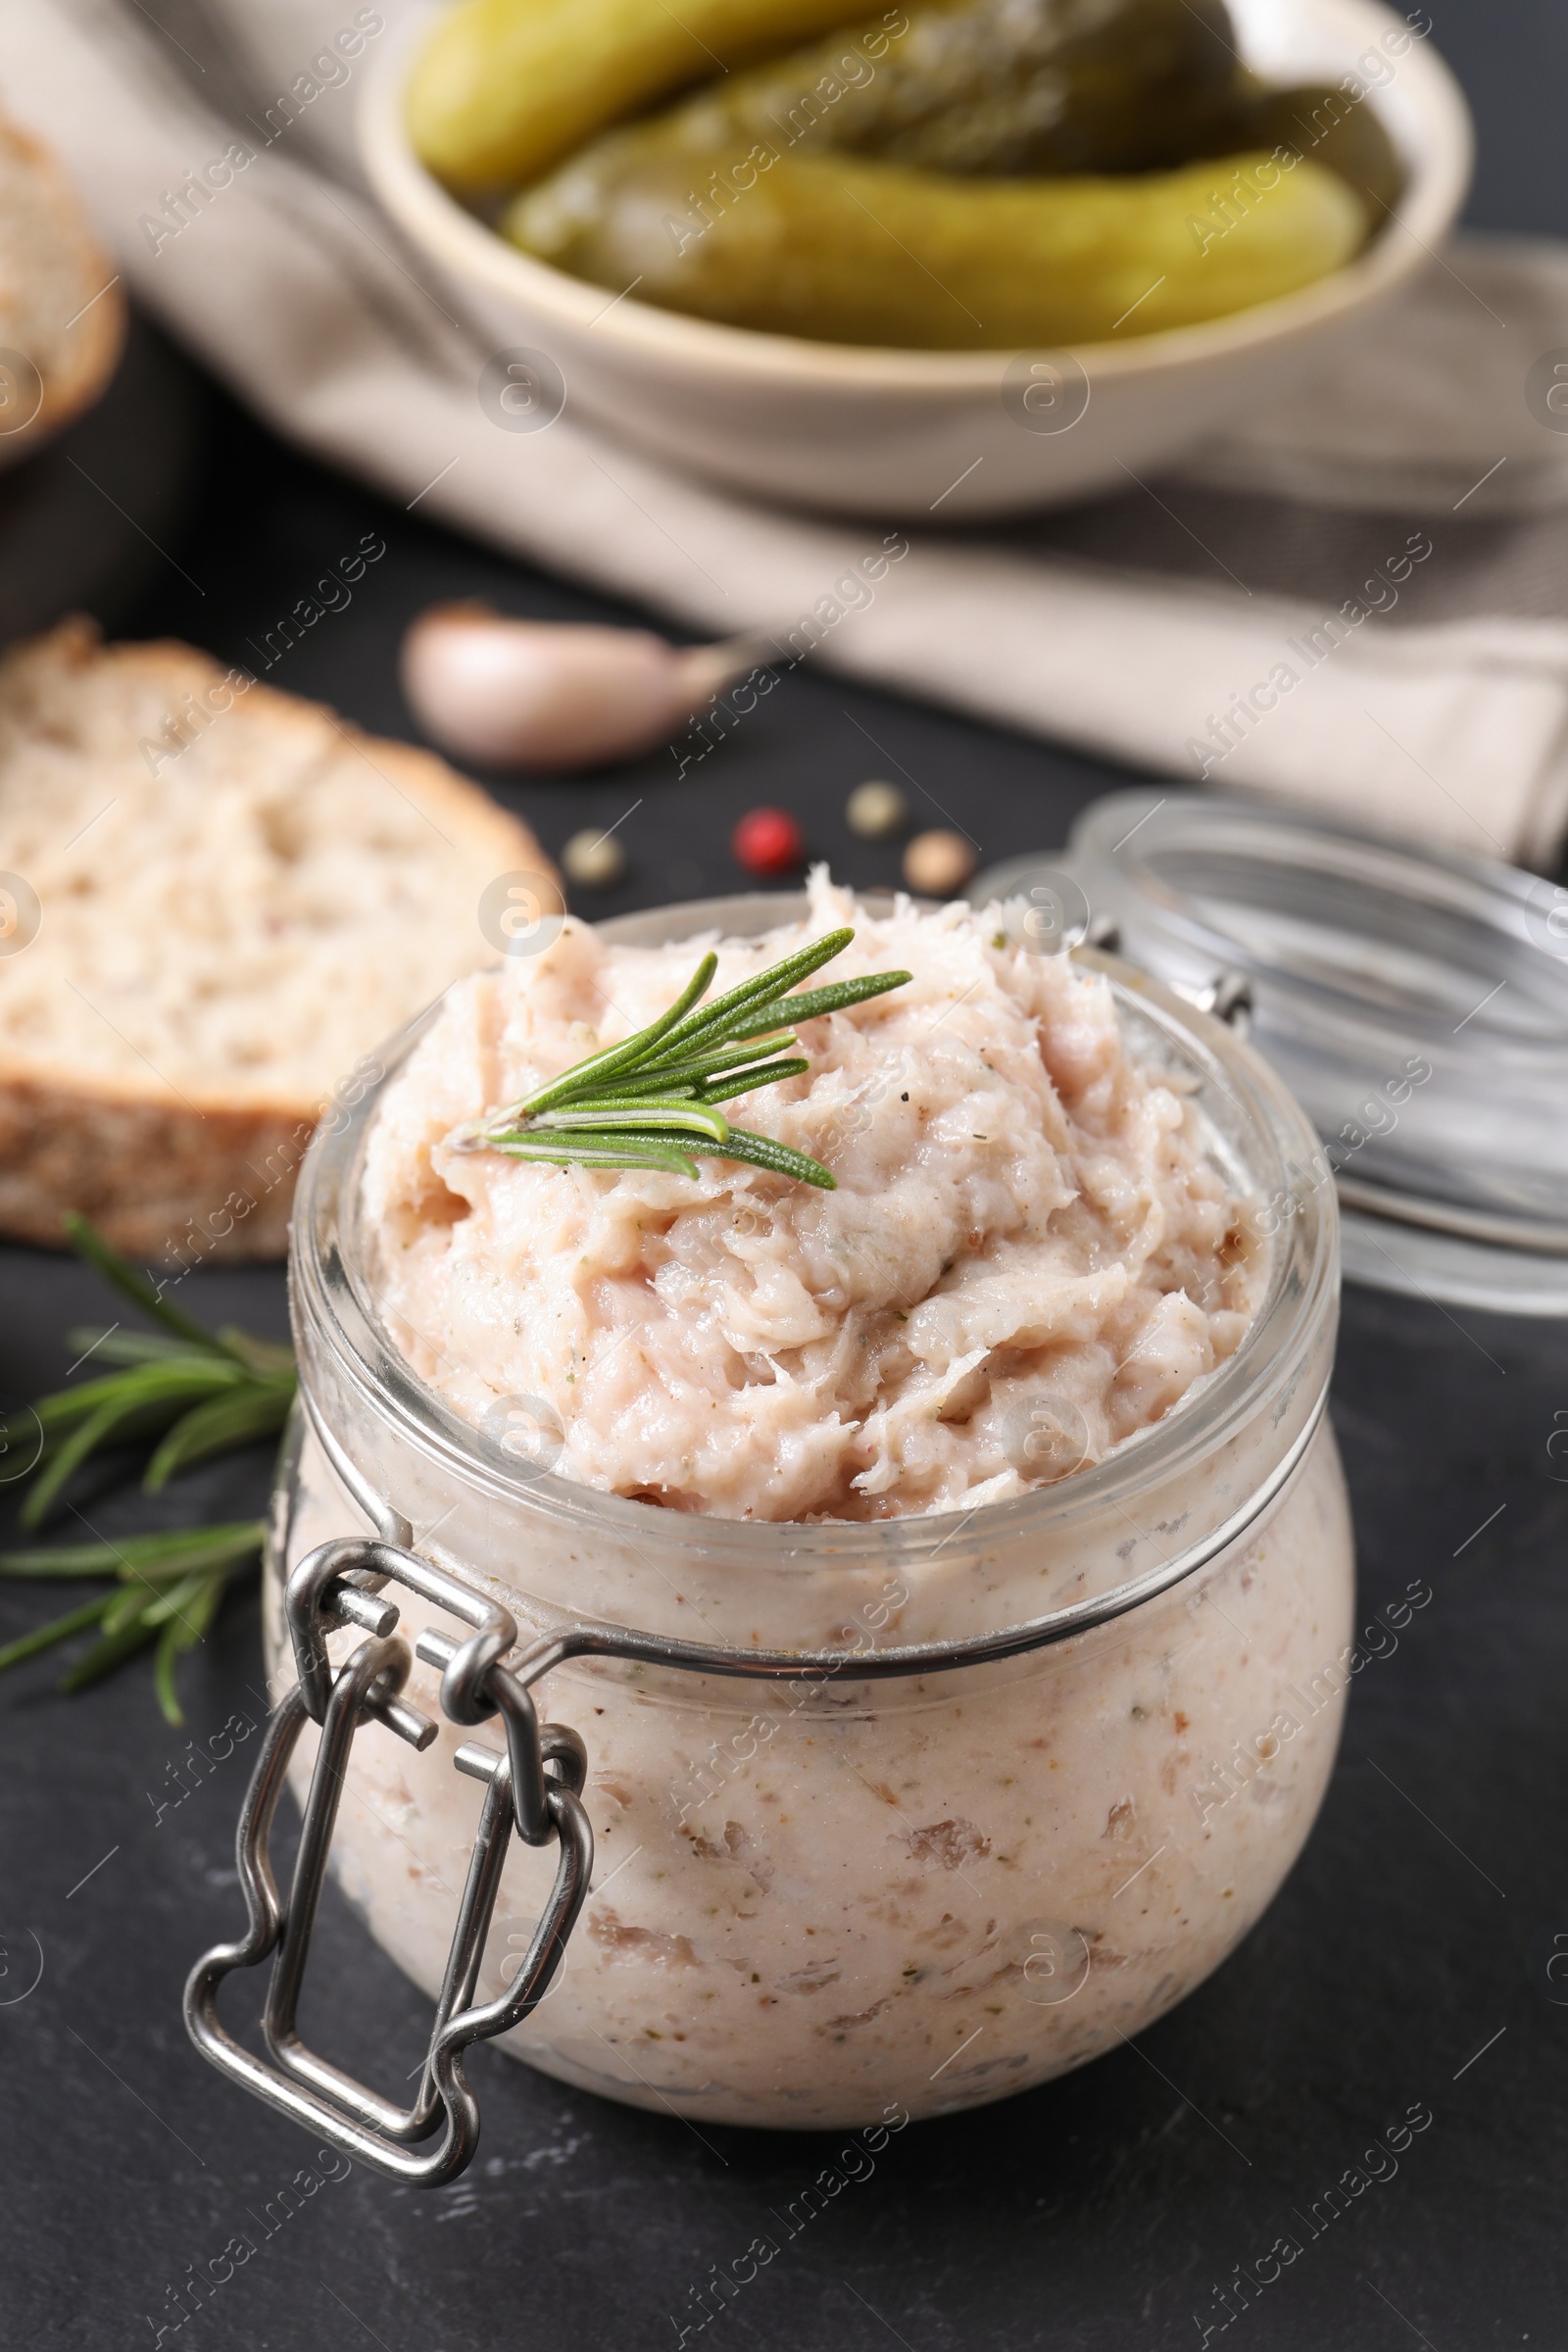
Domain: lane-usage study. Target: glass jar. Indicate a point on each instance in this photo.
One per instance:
(824, 1900)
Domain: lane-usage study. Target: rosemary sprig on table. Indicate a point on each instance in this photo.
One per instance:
(198, 1391)
(189, 1393)
(168, 1590)
(653, 1101)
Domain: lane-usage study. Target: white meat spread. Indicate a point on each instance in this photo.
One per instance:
(1032, 1251)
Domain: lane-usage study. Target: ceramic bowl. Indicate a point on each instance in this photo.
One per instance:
(902, 434)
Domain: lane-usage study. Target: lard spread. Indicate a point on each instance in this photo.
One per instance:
(1031, 1253)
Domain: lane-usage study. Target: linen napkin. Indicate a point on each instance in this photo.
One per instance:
(1358, 598)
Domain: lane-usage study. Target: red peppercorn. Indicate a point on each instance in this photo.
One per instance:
(768, 841)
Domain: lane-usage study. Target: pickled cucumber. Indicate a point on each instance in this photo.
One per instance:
(1001, 87)
(505, 88)
(1329, 127)
(844, 251)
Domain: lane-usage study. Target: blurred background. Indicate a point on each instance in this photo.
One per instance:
(178, 508)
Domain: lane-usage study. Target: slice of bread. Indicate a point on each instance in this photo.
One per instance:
(215, 901)
(62, 311)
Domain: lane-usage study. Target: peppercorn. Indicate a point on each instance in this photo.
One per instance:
(594, 861)
(768, 841)
(939, 863)
(876, 811)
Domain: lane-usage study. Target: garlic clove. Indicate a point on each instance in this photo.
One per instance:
(705, 671)
(556, 695)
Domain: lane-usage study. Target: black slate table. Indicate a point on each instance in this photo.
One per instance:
(1416, 1959)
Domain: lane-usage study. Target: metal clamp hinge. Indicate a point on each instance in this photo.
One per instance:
(534, 1785)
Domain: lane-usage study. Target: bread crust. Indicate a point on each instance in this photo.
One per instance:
(178, 1177)
(164, 1184)
(97, 333)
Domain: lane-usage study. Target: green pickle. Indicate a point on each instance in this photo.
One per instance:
(845, 251)
(1328, 126)
(504, 89)
(997, 87)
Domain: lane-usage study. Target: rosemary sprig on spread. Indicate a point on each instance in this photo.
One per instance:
(187, 1393)
(653, 1101)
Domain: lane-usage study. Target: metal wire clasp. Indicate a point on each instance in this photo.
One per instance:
(534, 1785)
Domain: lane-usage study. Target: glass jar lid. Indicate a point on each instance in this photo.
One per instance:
(1416, 1002)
